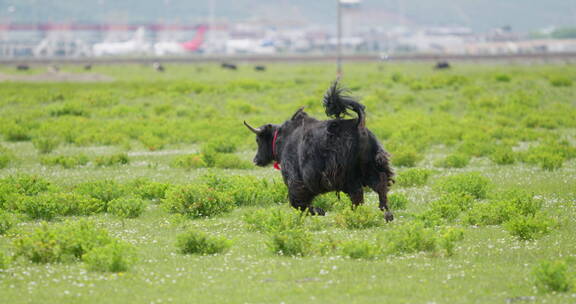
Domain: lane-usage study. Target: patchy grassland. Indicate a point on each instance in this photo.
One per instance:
(155, 169)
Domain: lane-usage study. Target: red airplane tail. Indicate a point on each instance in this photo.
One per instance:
(196, 42)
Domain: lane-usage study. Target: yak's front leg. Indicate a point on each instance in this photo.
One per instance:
(301, 199)
(382, 189)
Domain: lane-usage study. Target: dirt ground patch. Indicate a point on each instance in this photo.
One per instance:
(58, 76)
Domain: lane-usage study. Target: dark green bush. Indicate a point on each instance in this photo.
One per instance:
(503, 156)
(111, 160)
(502, 78)
(552, 276)
(528, 227)
(360, 217)
(293, 242)
(66, 161)
(149, 190)
(115, 256)
(457, 160)
(413, 177)
(5, 157)
(64, 242)
(409, 238)
(126, 207)
(490, 213)
(194, 242)
(560, 81)
(280, 219)
(448, 207)
(190, 161)
(24, 184)
(15, 132)
(230, 161)
(472, 183)
(7, 221)
(45, 144)
(4, 261)
(220, 145)
(397, 201)
(198, 201)
(407, 157)
(104, 190)
(358, 249)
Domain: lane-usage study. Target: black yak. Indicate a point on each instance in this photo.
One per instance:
(323, 156)
(442, 65)
(229, 66)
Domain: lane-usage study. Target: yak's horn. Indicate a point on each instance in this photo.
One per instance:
(256, 131)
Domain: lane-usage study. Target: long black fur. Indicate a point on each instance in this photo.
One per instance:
(329, 155)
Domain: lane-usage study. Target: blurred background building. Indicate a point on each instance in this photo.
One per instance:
(100, 28)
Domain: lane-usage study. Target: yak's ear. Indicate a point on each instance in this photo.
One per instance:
(297, 113)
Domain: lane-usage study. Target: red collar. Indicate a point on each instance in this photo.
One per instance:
(276, 163)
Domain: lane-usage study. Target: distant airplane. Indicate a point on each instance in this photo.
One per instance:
(136, 45)
(172, 47)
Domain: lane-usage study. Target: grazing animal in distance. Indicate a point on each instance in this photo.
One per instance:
(260, 68)
(22, 67)
(87, 67)
(442, 65)
(319, 156)
(158, 67)
(229, 66)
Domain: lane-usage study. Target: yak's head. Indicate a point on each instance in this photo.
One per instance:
(264, 138)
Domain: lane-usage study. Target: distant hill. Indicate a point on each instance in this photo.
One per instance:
(480, 15)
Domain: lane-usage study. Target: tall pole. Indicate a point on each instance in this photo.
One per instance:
(339, 42)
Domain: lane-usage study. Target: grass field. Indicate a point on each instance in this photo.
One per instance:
(105, 185)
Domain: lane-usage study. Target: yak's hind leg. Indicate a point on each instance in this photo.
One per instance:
(356, 196)
(301, 199)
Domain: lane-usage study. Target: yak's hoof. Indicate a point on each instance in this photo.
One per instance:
(317, 211)
(388, 216)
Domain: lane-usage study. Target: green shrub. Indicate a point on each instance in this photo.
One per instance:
(361, 217)
(447, 207)
(409, 238)
(194, 242)
(528, 227)
(127, 207)
(408, 157)
(449, 237)
(397, 201)
(113, 257)
(5, 157)
(190, 161)
(502, 78)
(524, 202)
(111, 160)
(45, 144)
(149, 190)
(25, 184)
(279, 219)
(198, 201)
(293, 242)
(230, 161)
(552, 276)
(220, 145)
(104, 190)
(64, 242)
(491, 213)
(476, 145)
(472, 183)
(7, 221)
(356, 249)
(457, 160)
(4, 261)
(503, 156)
(413, 177)
(66, 161)
(560, 81)
(152, 142)
(15, 132)
(37, 207)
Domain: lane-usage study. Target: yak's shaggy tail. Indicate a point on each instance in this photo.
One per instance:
(336, 103)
